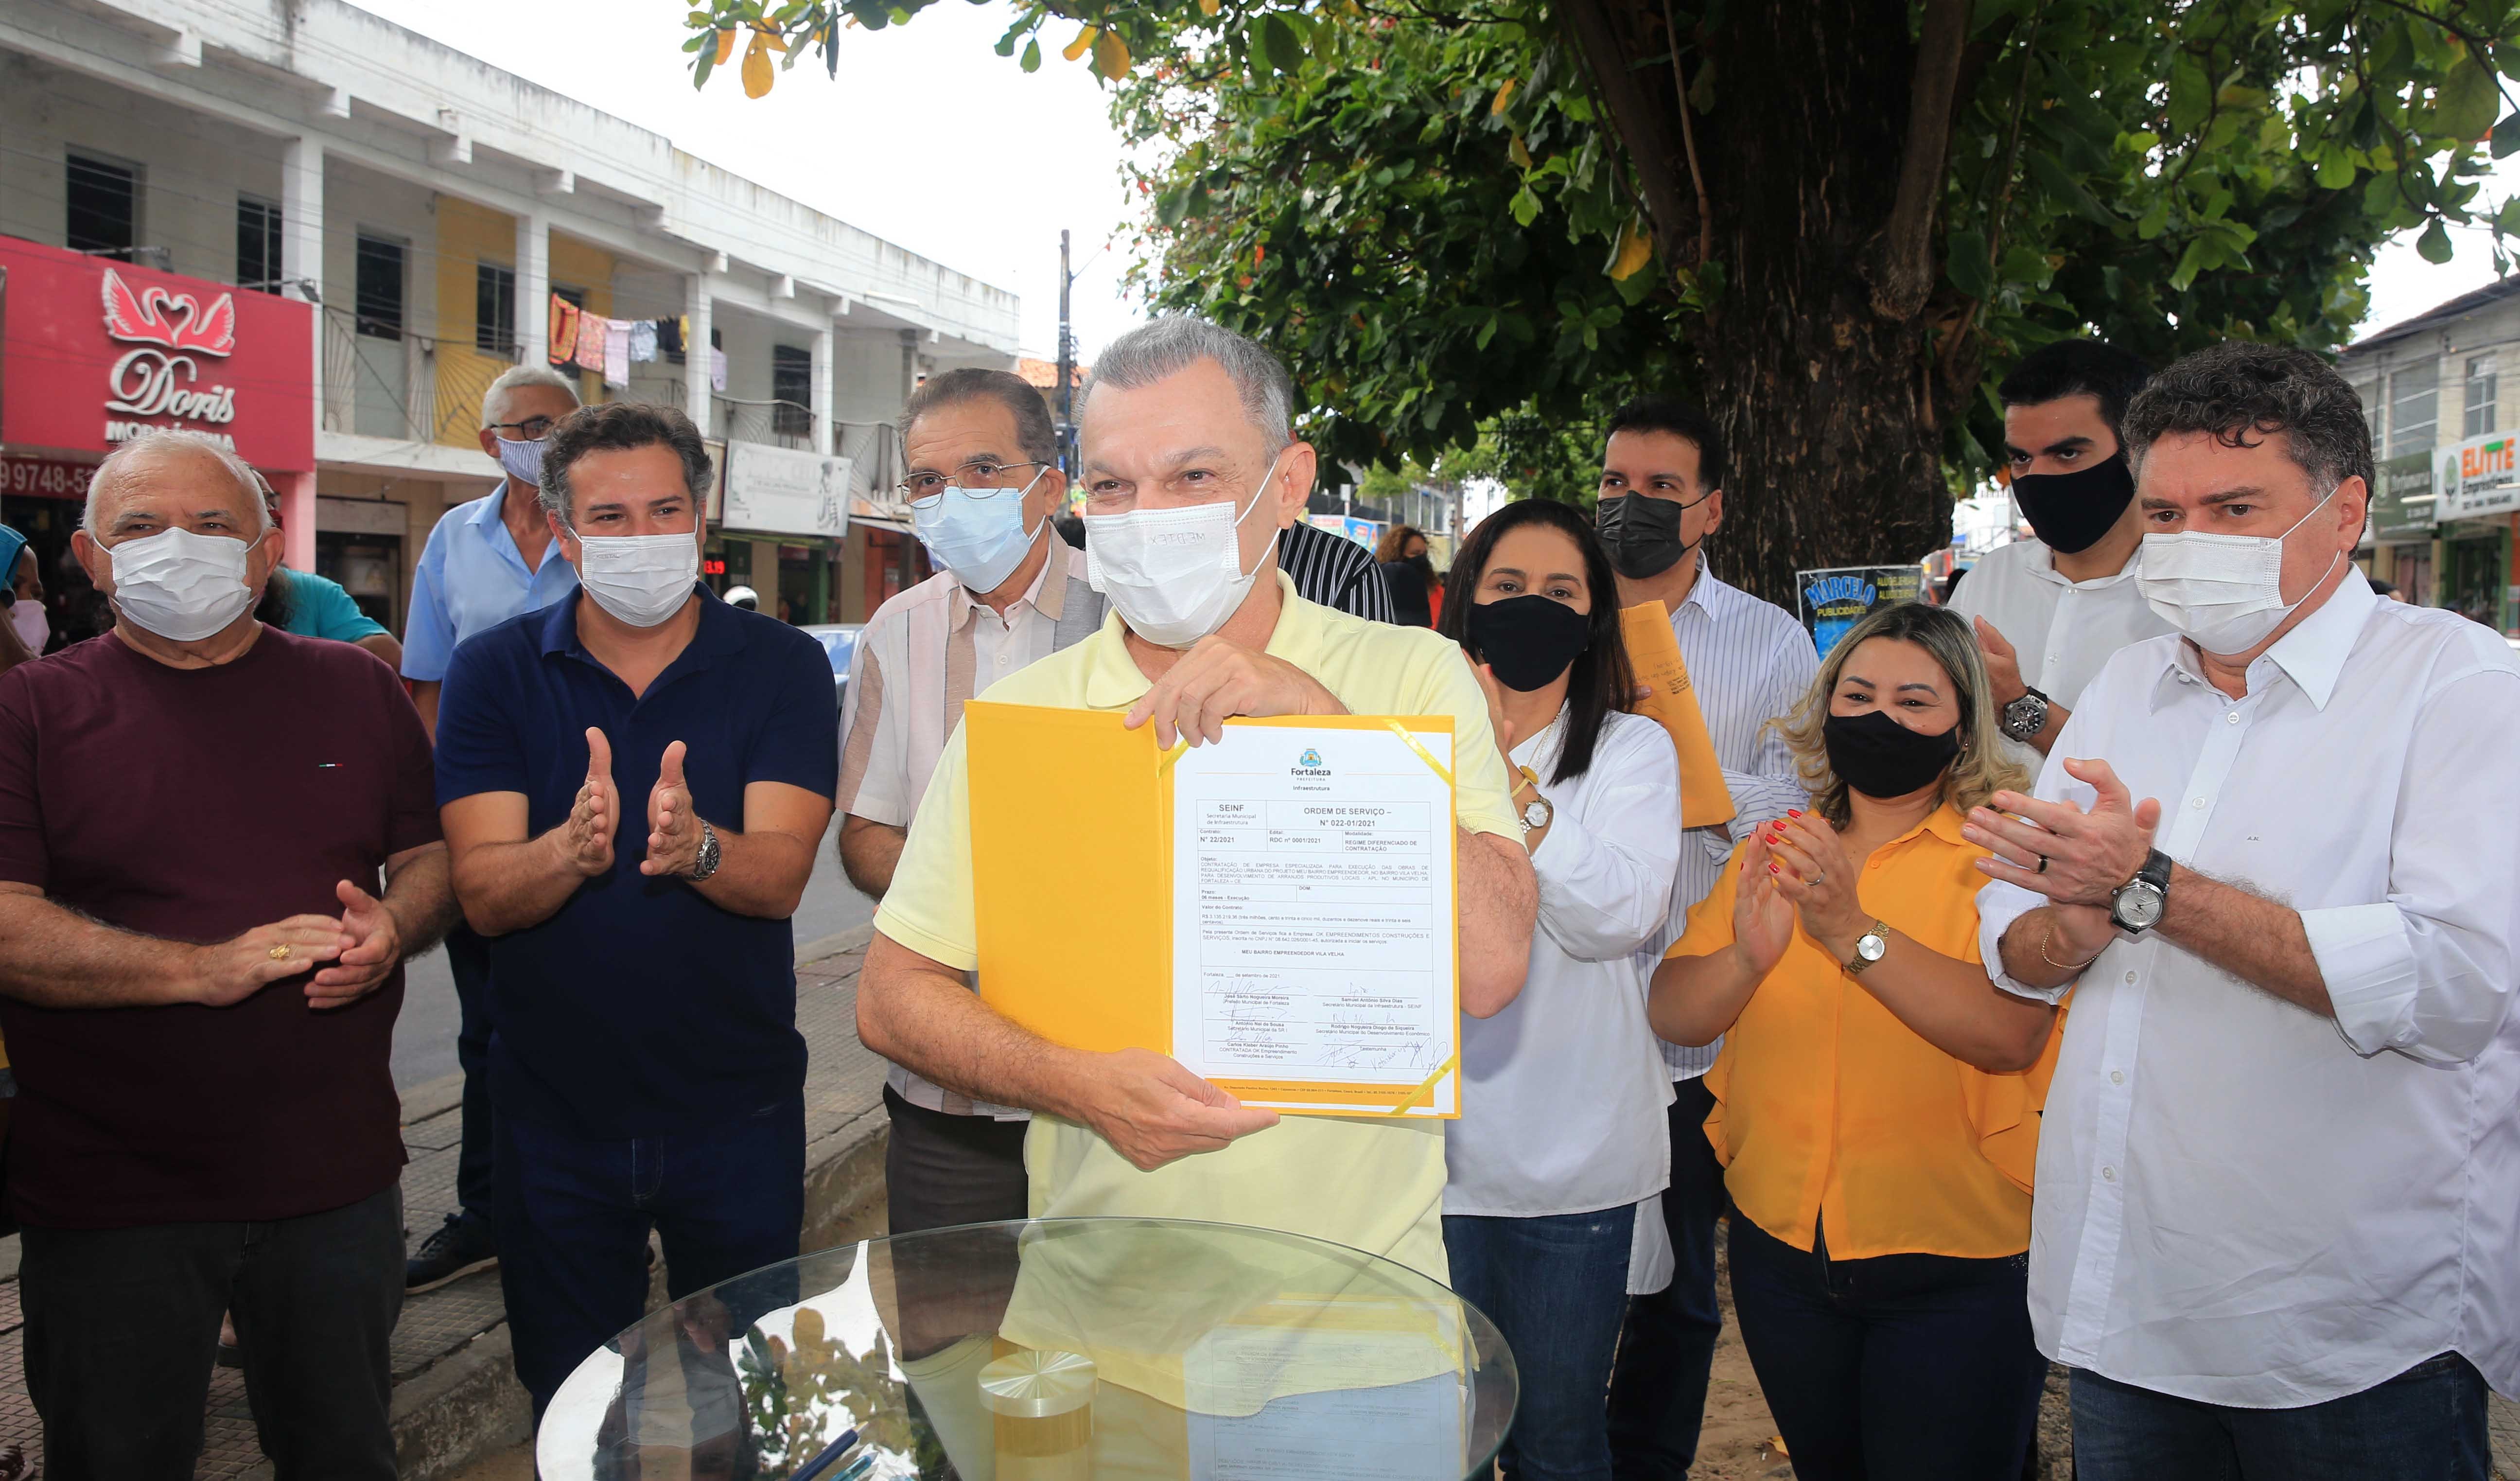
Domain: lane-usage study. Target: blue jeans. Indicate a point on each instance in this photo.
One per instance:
(1897, 1367)
(1556, 1287)
(574, 1215)
(2426, 1424)
(1658, 1387)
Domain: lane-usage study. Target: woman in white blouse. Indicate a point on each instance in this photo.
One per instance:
(1562, 1132)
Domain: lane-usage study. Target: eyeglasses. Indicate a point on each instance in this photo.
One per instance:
(977, 477)
(531, 430)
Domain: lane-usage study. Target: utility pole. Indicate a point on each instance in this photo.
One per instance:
(1066, 369)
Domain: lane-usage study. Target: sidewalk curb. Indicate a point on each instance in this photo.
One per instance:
(467, 1403)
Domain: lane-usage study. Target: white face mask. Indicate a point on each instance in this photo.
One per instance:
(981, 540)
(1174, 574)
(641, 579)
(181, 586)
(34, 629)
(2224, 592)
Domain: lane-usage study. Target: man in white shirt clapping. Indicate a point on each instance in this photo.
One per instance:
(2274, 1231)
(2049, 611)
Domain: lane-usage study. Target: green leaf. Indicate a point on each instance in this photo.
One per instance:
(2155, 220)
(2190, 262)
(1279, 43)
(707, 61)
(2506, 137)
(2468, 98)
(2052, 176)
(2434, 245)
(1965, 264)
(1526, 207)
(2189, 97)
(2335, 170)
(1031, 60)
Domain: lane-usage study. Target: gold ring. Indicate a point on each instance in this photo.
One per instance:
(280, 953)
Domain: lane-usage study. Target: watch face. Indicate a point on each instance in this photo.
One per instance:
(1536, 814)
(1871, 948)
(2137, 907)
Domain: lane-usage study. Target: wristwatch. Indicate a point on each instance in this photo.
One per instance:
(1537, 814)
(2025, 717)
(2137, 905)
(707, 864)
(1870, 946)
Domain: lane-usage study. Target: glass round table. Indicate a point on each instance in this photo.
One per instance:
(1053, 1350)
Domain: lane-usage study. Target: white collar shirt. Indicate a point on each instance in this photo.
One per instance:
(2061, 630)
(1563, 1092)
(2240, 1202)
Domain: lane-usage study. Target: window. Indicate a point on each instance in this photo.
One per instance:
(257, 245)
(103, 206)
(791, 385)
(379, 286)
(494, 310)
(2414, 408)
(2482, 408)
(2368, 393)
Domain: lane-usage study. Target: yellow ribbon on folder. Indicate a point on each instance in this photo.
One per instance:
(1654, 652)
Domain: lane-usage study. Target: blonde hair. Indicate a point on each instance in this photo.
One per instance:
(1983, 767)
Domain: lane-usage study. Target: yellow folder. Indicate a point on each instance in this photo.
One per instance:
(1705, 800)
(1064, 799)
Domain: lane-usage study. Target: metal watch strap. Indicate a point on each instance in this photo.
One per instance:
(711, 855)
(1855, 961)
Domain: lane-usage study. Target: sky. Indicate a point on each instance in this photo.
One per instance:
(929, 139)
(926, 138)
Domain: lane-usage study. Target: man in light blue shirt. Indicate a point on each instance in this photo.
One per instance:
(486, 562)
(1751, 662)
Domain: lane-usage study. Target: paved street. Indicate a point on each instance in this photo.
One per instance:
(424, 1035)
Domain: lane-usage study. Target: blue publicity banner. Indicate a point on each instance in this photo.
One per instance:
(1836, 599)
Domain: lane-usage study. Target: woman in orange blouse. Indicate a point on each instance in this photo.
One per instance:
(1877, 1099)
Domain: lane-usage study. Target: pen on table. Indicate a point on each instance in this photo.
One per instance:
(827, 1454)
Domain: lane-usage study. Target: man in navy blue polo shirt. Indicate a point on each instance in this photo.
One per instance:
(634, 781)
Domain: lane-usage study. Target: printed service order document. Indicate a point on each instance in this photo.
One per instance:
(1313, 917)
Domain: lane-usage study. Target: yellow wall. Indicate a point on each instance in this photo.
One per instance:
(468, 235)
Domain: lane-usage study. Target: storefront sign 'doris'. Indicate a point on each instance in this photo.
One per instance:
(99, 351)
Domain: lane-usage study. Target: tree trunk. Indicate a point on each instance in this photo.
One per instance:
(1830, 408)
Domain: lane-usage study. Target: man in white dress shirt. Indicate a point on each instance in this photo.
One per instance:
(2281, 1166)
(982, 482)
(1661, 495)
(2049, 611)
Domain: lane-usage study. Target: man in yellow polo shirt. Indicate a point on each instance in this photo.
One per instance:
(1189, 471)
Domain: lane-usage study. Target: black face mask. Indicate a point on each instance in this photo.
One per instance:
(1877, 756)
(2071, 512)
(1420, 564)
(1641, 533)
(1528, 640)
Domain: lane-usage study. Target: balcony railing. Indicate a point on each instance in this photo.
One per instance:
(777, 424)
(402, 387)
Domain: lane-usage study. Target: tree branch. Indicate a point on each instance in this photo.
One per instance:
(1640, 126)
(1688, 140)
(1904, 269)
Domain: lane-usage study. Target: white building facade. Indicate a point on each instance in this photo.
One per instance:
(427, 207)
(2445, 427)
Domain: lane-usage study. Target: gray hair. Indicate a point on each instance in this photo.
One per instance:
(620, 426)
(2244, 393)
(1036, 435)
(516, 376)
(168, 439)
(1169, 345)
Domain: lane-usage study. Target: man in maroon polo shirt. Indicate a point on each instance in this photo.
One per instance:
(199, 988)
